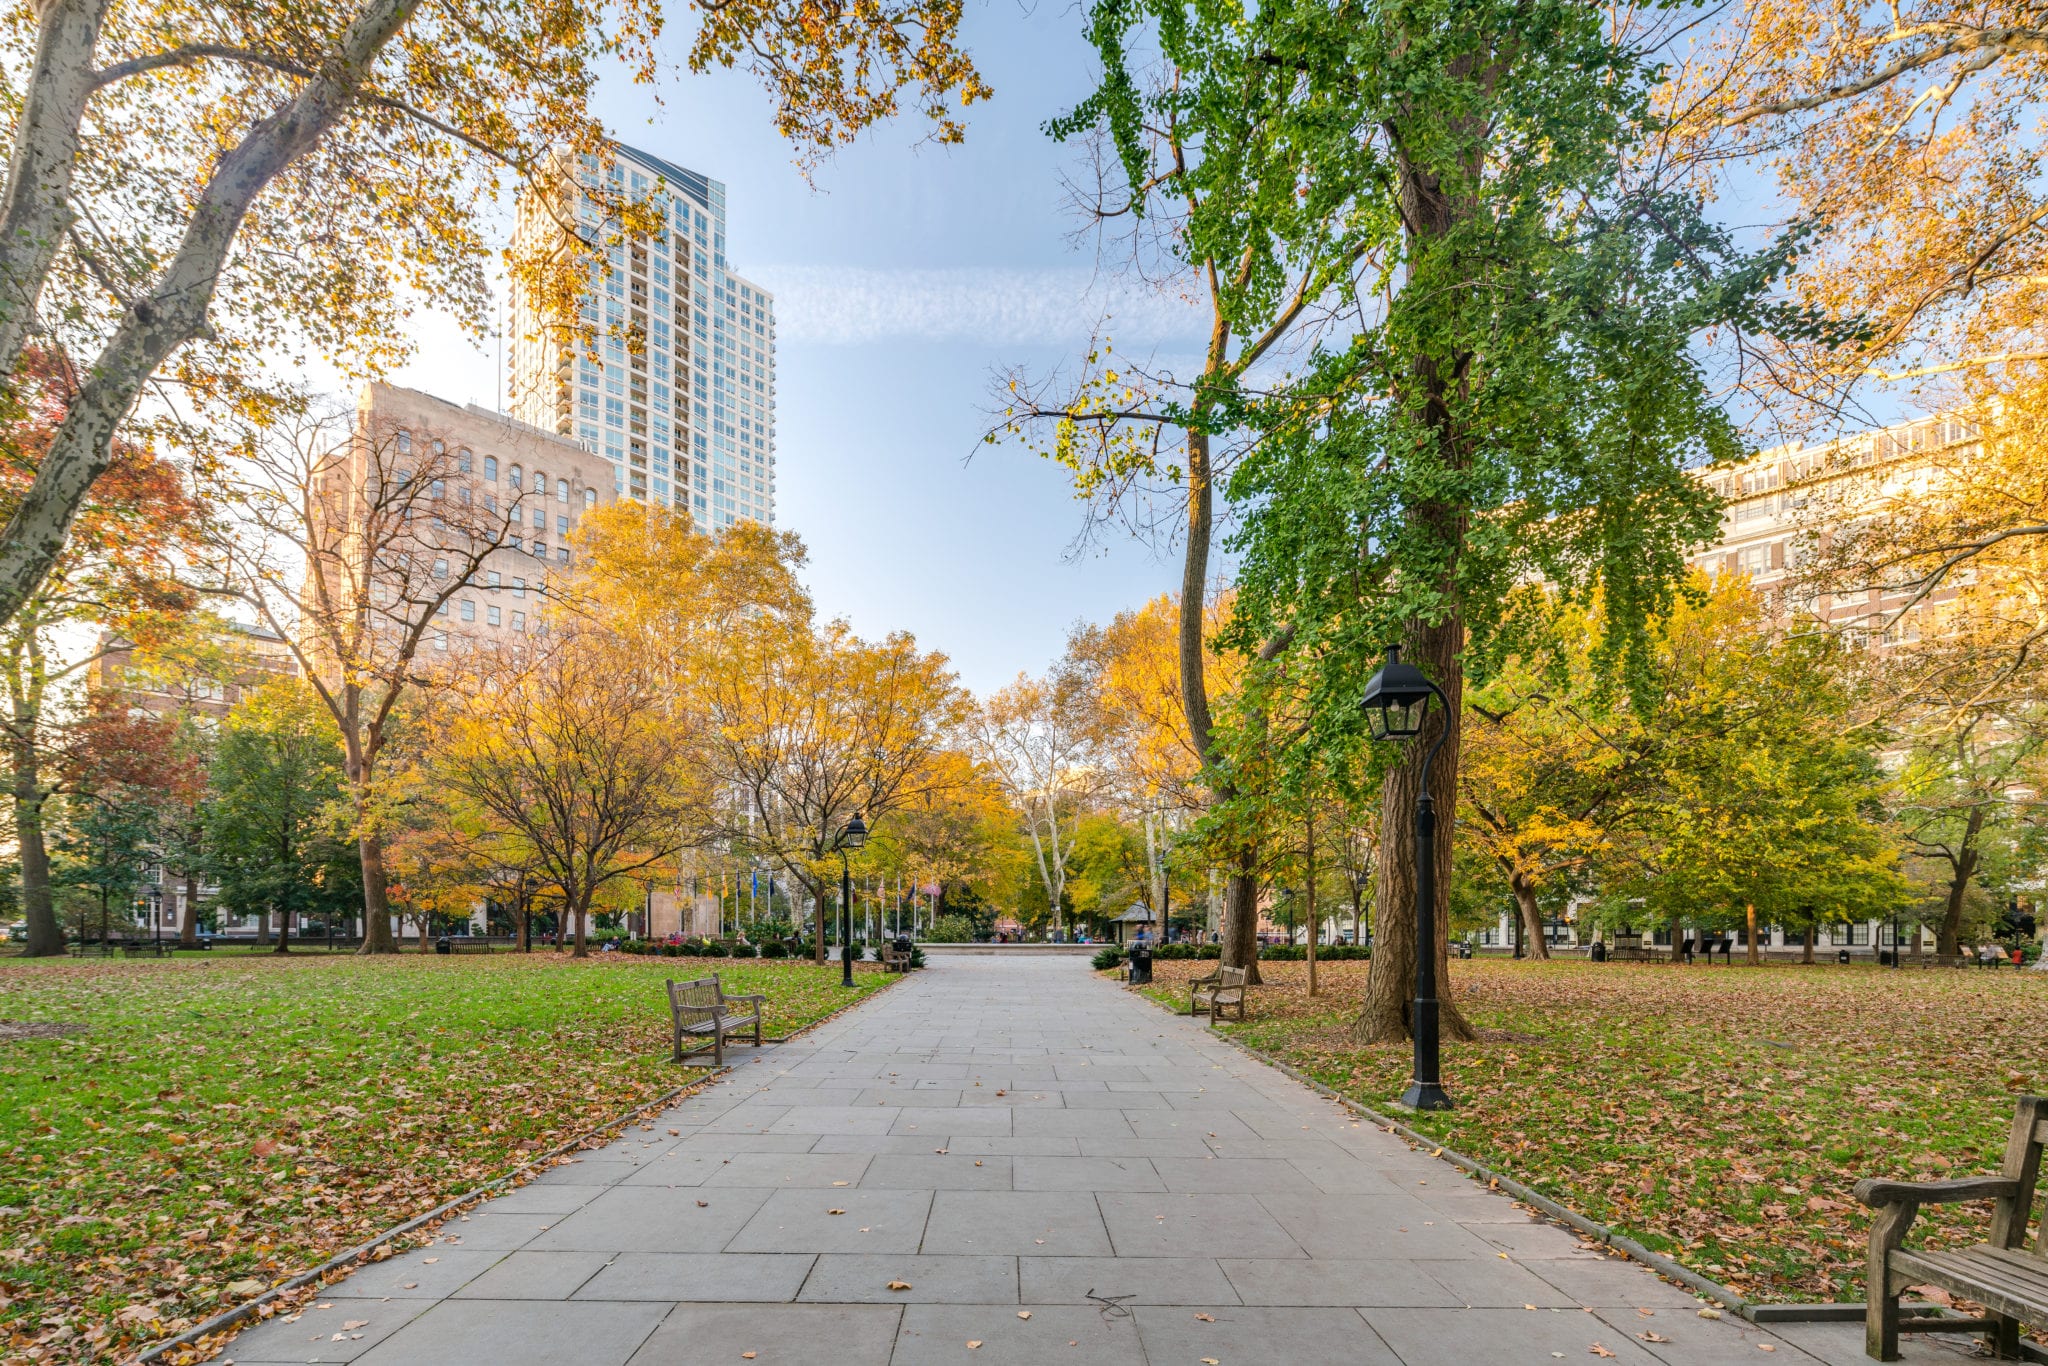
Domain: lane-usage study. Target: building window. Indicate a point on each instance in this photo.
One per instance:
(462, 460)
(440, 640)
(562, 525)
(519, 621)
(561, 490)
(540, 550)
(519, 588)
(440, 569)
(438, 488)
(404, 441)
(493, 616)
(491, 468)
(540, 482)
(516, 477)
(496, 580)
(590, 498)
(562, 554)
(468, 610)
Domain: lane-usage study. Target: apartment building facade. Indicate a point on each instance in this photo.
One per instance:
(487, 471)
(667, 369)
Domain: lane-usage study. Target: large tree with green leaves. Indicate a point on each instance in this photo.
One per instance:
(1452, 346)
(276, 816)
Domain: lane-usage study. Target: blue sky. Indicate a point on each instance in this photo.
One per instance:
(905, 277)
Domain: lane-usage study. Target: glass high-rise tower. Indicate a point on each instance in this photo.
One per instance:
(687, 417)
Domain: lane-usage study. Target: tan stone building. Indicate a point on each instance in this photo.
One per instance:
(487, 470)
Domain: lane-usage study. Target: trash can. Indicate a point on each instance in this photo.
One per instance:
(1841, 955)
(1599, 952)
(1141, 965)
(442, 945)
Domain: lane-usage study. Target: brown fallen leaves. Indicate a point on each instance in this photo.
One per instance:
(194, 1125)
(1719, 1116)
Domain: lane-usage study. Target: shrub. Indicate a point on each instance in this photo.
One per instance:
(1107, 957)
(775, 948)
(951, 929)
(916, 956)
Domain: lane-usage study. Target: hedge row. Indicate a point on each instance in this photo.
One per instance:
(1112, 955)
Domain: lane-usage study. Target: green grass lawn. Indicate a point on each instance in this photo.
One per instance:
(193, 1123)
(1718, 1115)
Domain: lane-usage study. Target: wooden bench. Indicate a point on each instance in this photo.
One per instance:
(2004, 1275)
(895, 959)
(1213, 995)
(701, 1010)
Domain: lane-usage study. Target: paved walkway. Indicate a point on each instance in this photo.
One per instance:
(1005, 1161)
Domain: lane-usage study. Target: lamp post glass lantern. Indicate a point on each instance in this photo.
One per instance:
(852, 837)
(1396, 704)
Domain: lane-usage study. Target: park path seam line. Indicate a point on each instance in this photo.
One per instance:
(227, 1318)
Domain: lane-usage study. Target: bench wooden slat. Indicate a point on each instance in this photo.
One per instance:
(701, 1009)
(2004, 1275)
(1964, 1271)
(1213, 996)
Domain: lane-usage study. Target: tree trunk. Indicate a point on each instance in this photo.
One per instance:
(1240, 933)
(1390, 981)
(1531, 915)
(1749, 912)
(1948, 936)
(45, 935)
(284, 931)
(262, 926)
(818, 957)
(1677, 947)
(188, 923)
(1806, 953)
(582, 914)
(1315, 929)
(377, 936)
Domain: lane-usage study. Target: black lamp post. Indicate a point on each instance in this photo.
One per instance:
(1396, 702)
(852, 837)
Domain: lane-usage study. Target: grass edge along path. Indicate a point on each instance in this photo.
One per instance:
(207, 1339)
(1668, 1105)
(202, 1132)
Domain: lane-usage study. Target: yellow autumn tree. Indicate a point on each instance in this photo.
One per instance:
(317, 168)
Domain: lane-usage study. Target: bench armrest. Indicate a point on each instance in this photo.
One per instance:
(1878, 1194)
(757, 998)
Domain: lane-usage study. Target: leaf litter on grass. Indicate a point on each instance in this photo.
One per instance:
(237, 1120)
(1659, 1099)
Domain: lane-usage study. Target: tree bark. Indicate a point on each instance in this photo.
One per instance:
(174, 310)
(1538, 946)
(377, 936)
(1749, 912)
(188, 923)
(1806, 953)
(1384, 1014)
(45, 935)
(1315, 928)
(284, 931)
(37, 210)
(262, 926)
(1962, 867)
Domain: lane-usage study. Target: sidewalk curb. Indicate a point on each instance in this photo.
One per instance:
(1571, 1218)
(228, 1318)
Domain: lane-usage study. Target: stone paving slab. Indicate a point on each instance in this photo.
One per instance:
(1045, 1165)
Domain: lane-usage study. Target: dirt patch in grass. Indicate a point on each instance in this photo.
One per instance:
(1719, 1115)
(13, 1031)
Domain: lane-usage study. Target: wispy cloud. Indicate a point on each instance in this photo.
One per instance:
(823, 305)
